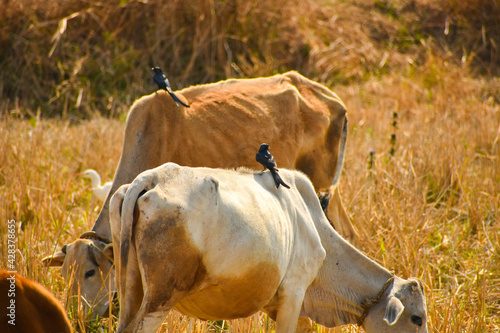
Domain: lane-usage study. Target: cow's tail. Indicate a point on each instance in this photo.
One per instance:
(340, 161)
(129, 216)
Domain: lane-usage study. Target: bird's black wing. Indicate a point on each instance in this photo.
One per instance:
(271, 159)
(160, 81)
(264, 160)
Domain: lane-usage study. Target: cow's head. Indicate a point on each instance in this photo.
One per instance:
(401, 309)
(87, 264)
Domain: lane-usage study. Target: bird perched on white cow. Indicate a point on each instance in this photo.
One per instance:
(224, 244)
(265, 158)
(303, 121)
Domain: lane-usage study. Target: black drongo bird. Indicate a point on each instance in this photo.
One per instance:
(265, 158)
(162, 82)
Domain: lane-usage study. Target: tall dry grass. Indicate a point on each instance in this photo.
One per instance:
(431, 210)
(80, 57)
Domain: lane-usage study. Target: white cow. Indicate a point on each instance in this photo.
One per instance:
(224, 244)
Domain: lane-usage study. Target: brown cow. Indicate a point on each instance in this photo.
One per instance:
(26, 306)
(304, 123)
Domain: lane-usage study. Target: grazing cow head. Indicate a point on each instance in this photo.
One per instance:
(93, 278)
(403, 310)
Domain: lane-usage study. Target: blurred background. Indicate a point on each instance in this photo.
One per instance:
(79, 57)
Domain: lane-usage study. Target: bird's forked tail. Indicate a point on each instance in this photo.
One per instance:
(277, 179)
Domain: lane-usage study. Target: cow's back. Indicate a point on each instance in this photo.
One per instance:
(290, 104)
(228, 120)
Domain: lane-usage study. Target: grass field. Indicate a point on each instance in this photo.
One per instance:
(421, 178)
(431, 210)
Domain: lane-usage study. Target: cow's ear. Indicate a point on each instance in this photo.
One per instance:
(213, 184)
(209, 186)
(393, 311)
(108, 252)
(55, 260)
(417, 285)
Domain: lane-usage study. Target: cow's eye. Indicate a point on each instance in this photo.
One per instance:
(416, 320)
(90, 273)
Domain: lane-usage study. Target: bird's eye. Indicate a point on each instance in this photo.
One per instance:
(416, 320)
(90, 273)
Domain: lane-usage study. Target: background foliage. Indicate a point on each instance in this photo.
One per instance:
(80, 57)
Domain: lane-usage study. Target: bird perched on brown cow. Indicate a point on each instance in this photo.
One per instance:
(162, 82)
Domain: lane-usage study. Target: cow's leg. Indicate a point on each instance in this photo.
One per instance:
(305, 325)
(131, 298)
(159, 297)
(153, 310)
(152, 321)
(288, 310)
(145, 321)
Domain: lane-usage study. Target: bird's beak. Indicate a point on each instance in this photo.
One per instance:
(79, 174)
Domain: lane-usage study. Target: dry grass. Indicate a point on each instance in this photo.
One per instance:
(431, 211)
(75, 58)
